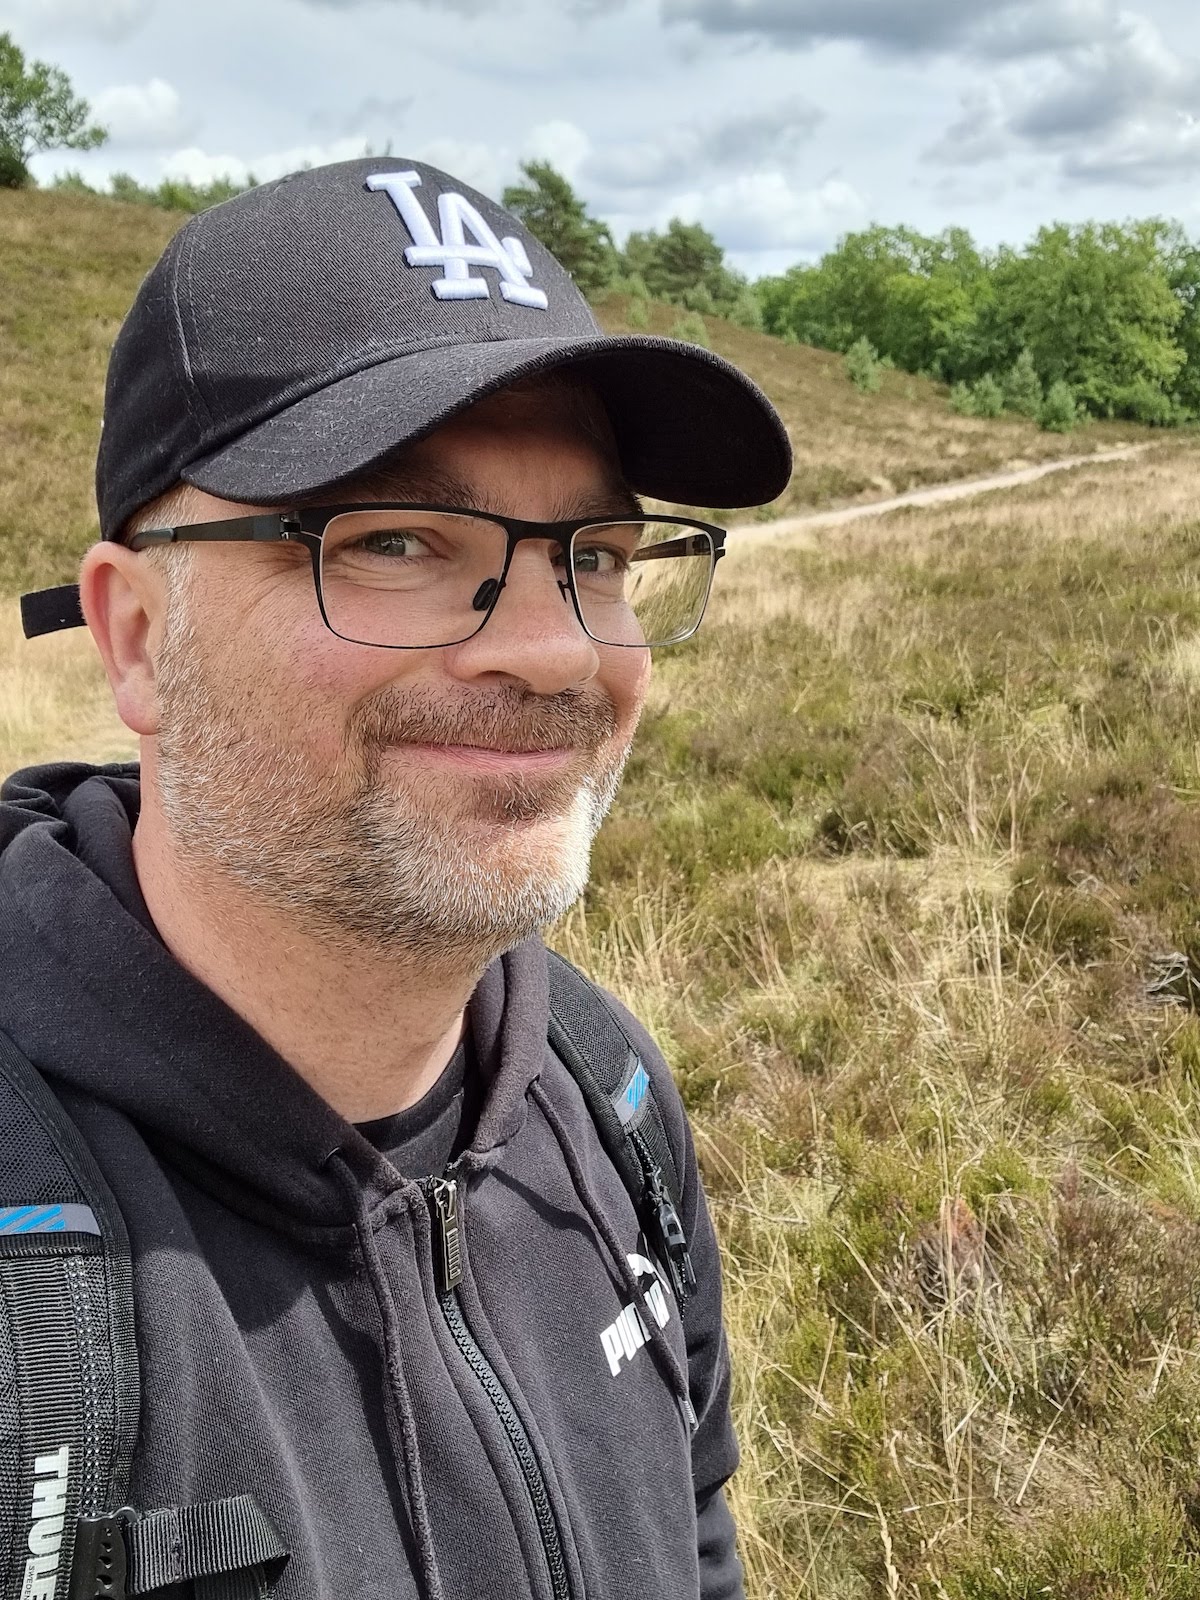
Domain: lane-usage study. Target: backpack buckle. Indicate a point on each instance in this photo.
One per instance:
(100, 1566)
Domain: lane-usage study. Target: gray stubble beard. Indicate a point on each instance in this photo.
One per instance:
(378, 872)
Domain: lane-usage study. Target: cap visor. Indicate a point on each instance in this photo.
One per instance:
(689, 426)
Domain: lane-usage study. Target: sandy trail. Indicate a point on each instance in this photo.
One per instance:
(750, 533)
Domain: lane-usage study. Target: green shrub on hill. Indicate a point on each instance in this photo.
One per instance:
(691, 328)
(983, 398)
(1060, 409)
(1022, 387)
(172, 194)
(863, 366)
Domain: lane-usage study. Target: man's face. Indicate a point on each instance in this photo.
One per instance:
(434, 802)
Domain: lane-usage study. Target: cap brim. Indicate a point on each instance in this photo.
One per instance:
(689, 426)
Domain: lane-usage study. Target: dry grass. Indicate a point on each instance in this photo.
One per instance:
(905, 844)
(55, 702)
(69, 267)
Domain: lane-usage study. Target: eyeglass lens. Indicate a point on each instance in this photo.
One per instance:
(419, 578)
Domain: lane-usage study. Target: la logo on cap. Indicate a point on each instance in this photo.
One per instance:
(452, 253)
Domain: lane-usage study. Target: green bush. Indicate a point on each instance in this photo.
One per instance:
(1023, 387)
(1059, 412)
(987, 397)
(863, 366)
(699, 298)
(983, 398)
(638, 313)
(746, 311)
(690, 327)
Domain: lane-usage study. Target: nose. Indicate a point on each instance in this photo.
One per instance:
(533, 635)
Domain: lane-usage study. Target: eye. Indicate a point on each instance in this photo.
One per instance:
(395, 543)
(598, 560)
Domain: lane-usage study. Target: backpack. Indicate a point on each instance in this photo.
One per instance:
(69, 1384)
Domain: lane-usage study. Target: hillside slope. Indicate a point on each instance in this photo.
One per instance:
(70, 265)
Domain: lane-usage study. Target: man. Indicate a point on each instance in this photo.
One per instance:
(376, 593)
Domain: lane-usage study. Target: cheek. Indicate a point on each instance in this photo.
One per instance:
(327, 681)
(625, 676)
(303, 681)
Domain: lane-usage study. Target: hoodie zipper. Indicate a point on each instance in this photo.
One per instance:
(445, 1211)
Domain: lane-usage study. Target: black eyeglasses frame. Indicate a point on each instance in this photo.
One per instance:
(307, 527)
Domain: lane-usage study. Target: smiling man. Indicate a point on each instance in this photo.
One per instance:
(425, 1298)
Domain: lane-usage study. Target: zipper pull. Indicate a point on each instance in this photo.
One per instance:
(447, 1233)
(671, 1237)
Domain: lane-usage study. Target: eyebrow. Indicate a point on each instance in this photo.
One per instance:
(435, 487)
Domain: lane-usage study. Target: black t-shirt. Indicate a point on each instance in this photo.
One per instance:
(420, 1141)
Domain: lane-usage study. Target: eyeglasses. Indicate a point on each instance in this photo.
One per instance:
(417, 577)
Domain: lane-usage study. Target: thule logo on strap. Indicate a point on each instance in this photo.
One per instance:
(49, 1511)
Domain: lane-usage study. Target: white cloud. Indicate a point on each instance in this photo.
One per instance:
(104, 19)
(765, 211)
(368, 117)
(565, 146)
(998, 28)
(482, 166)
(981, 133)
(147, 114)
(676, 152)
(193, 165)
(1118, 109)
(1148, 152)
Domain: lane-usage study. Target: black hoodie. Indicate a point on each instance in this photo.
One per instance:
(293, 1345)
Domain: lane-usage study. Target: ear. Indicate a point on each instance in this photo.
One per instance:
(124, 602)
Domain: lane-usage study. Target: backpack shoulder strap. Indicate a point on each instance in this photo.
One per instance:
(69, 1395)
(588, 1038)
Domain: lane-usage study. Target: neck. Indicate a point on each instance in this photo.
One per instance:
(370, 1032)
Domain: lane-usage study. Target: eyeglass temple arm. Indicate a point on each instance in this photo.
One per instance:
(272, 525)
(690, 545)
(53, 610)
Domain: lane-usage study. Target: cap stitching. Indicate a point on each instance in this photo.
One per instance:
(193, 376)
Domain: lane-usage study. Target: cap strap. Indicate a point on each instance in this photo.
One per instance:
(48, 610)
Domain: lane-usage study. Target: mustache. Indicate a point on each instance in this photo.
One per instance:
(507, 718)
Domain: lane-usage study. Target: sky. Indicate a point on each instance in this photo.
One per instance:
(779, 124)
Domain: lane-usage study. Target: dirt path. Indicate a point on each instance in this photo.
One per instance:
(749, 533)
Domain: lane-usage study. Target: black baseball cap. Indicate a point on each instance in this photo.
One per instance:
(302, 331)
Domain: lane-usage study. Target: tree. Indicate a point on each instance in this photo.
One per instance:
(686, 266)
(1060, 409)
(862, 366)
(1095, 306)
(38, 111)
(1182, 259)
(1023, 387)
(554, 213)
(917, 298)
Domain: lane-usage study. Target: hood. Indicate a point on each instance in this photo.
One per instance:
(96, 1000)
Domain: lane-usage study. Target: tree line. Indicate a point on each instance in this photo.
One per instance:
(1095, 318)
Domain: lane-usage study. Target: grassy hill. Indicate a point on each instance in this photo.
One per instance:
(904, 876)
(70, 266)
